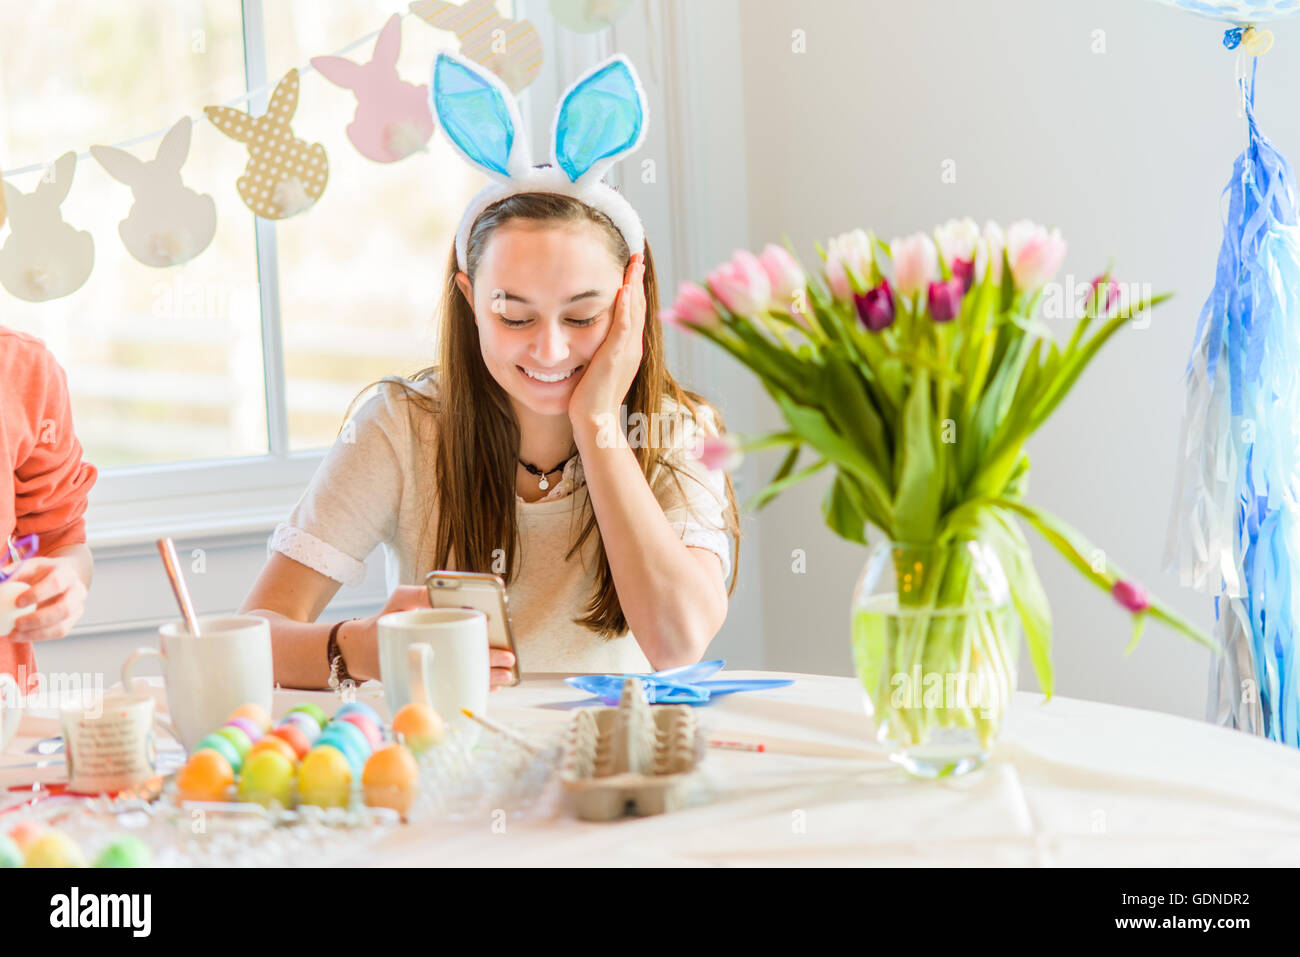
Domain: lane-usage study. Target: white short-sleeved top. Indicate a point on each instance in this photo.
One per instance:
(372, 489)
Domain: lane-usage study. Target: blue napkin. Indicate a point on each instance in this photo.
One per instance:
(683, 685)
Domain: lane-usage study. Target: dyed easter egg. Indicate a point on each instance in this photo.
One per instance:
(294, 736)
(206, 776)
(128, 851)
(364, 725)
(279, 745)
(235, 737)
(325, 778)
(361, 708)
(254, 713)
(351, 733)
(391, 778)
(247, 726)
(267, 778)
(317, 713)
(25, 833)
(221, 745)
(348, 748)
(10, 855)
(54, 849)
(304, 722)
(419, 725)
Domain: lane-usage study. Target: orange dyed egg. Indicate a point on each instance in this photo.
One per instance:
(254, 713)
(295, 736)
(279, 745)
(207, 776)
(419, 725)
(391, 778)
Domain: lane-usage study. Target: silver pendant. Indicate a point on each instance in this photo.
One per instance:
(543, 484)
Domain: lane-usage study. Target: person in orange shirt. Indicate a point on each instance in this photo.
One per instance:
(43, 492)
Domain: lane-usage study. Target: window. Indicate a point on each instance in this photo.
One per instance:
(203, 361)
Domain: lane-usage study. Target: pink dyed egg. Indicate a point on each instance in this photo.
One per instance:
(366, 727)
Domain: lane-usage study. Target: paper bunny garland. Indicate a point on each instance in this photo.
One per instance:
(284, 175)
(601, 118)
(483, 32)
(44, 258)
(392, 119)
(169, 223)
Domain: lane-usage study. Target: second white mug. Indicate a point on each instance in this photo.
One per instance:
(460, 669)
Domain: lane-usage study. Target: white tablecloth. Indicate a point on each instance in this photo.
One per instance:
(1071, 783)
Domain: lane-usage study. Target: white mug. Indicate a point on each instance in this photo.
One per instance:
(207, 677)
(442, 651)
(110, 747)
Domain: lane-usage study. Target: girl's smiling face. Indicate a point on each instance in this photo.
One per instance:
(542, 300)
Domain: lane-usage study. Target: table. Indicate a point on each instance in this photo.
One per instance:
(1071, 783)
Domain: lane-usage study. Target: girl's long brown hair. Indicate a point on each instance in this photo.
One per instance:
(471, 425)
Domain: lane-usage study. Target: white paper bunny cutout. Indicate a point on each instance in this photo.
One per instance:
(393, 119)
(44, 258)
(284, 175)
(601, 118)
(169, 223)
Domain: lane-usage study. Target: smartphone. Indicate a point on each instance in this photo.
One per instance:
(483, 591)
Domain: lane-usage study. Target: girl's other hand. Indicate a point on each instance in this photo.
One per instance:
(54, 602)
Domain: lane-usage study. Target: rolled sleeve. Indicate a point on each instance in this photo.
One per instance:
(51, 481)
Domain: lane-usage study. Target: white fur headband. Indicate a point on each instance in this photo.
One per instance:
(600, 119)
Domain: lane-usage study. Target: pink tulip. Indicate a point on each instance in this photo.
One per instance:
(692, 308)
(963, 270)
(876, 307)
(1034, 253)
(850, 250)
(916, 263)
(945, 299)
(1131, 595)
(1105, 301)
(783, 274)
(741, 284)
(718, 452)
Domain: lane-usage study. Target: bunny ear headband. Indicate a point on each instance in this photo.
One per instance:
(600, 119)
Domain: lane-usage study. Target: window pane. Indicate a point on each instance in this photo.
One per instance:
(163, 364)
(361, 271)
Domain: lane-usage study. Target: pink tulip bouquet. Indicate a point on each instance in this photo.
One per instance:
(917, 370)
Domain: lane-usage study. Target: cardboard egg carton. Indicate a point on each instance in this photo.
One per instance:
(633, 757)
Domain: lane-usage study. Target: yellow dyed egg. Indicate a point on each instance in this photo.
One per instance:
(391, 778)
(325, 778)
(54, 849)
(207, 776)
(267, 778)
(254, 713)
(419, 725)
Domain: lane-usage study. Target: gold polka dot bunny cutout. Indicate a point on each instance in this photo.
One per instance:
(284, 175)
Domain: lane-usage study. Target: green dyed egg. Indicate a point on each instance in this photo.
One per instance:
(10, 855)
(128, 851)
(223, 746)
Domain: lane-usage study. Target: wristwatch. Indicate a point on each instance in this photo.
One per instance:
(334, 657)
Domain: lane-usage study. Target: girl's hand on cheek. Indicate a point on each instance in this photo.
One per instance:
(609, 374)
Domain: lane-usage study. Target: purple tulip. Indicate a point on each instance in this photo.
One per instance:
(1107, 303)
(945, 299)
(964, 270)
(876, 307)
(1131, 595)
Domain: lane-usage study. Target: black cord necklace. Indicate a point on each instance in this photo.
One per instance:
(534, 470)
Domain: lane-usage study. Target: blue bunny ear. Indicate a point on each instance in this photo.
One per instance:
(601, 118)
(480, 116)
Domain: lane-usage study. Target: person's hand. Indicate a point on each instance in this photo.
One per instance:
(609, 375)
(359, 640)
(54, 602)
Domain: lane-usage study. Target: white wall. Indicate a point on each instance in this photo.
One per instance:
(1126, 151)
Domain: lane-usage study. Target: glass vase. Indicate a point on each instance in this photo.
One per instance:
(935, 641)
